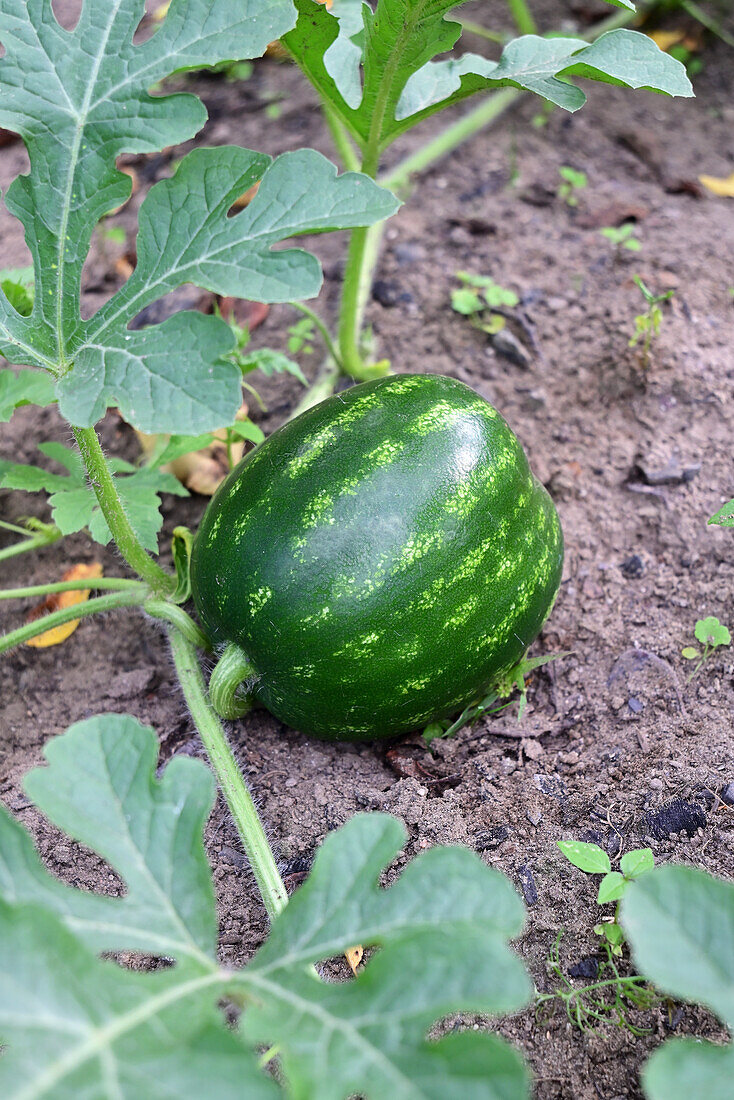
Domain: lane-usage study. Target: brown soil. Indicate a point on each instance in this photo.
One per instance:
(613, 734)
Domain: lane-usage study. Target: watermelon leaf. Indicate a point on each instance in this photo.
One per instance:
(87, 103)
(71, 1023)
(401, 83)
(74, 505)
(680, 925)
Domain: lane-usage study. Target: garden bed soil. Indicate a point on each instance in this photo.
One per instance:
(615, 745)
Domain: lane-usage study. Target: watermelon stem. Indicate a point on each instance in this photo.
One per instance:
(233, 786)
(230, 672)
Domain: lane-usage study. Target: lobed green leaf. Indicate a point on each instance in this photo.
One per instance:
(680, 925)
(81, 98)
(74, 1025)
(402, 84)
(74, 505)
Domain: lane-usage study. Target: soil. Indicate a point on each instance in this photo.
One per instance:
(615, 746)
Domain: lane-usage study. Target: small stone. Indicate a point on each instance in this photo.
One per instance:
(291, 782)
(727, 795)
(492, 838)
(534, 817)
(569, 757)
(635, 705)
(656, 784)
(587, 968)
(389, 293)
(527, 884)
(507, 344)
(532, 748)
(673, 473)
(633, 567)
(677, 816)
(409, 252)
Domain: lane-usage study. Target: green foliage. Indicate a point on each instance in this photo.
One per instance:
(725, 516)
(23, 387)
(478, 293)
(593, 860)
(680, 926)
(711, 634)
(514, 680)
(17, 286)
(73, 503)
(381, 80)
(647, 324)
(608, 1000)
(89, 102)
(622, 237)
(573, 182)
(72, 1023)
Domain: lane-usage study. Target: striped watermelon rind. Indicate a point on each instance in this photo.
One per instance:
(381, 560)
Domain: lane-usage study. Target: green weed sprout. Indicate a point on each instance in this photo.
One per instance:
(593, 860)
(573, 182)
(622, 237)
(711, 634)
(647, 324)
(478, 294)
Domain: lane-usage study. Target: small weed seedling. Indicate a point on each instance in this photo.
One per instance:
(610, 996)
(479, 299)
(623, 237)
(572, 183)
(606, 1000)
(593, 860)
(647, 324)
(711, 634)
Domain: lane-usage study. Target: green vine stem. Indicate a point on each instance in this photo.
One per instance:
(364, 245)
(32, 540)
(234, 789)
(325, 334)
(230, 672)
(80, 585)
(103, 484)
(176, 616)
(68, 614)
(522, 16)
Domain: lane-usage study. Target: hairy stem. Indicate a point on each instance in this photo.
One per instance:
(103, 484)
(231, 671)
(234, 788)
(68, 614)
(176, 616)
(340, 137)
(115, 583)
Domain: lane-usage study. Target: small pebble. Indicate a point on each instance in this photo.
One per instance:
(727, 795)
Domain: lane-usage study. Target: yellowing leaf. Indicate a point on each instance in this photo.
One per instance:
(665, 39)
(161, 12)
(58, 600)
(724, 188)
(353, 956)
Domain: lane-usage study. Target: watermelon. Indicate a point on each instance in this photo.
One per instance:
(381, 560)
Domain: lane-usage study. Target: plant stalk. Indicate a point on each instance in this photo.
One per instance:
(234, 788)
(68, 614)
(176, 616)
(103, 484)
(115, 583)
(522, 17)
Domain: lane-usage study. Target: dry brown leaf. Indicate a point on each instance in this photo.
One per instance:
(201, 471)
(722, 187)
(56, 601)
(665, 39)
(354, 956)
